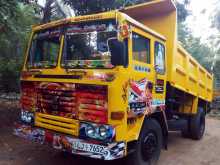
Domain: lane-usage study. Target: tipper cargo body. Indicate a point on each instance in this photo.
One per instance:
(112, 84)
(183, 71)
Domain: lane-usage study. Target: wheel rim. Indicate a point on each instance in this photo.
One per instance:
(149, 146)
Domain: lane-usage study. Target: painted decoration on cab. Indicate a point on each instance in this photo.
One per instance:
(107, 77)
(57, 99)
(111, 151)
(77, 101)
(141, 101)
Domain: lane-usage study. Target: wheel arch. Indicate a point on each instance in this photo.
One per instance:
(205, 105)
(160, 117)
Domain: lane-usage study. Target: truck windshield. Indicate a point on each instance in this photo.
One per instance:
(44, 49)
(86, 45)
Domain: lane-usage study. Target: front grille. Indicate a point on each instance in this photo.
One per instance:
(60, 102)
(56, 123)
(92, 103)
(28, 96)
(57, 99)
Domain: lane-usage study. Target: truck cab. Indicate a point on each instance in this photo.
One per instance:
(96, 85)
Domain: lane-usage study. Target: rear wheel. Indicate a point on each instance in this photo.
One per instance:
(197, 124)
(148, 147)
(185, 132)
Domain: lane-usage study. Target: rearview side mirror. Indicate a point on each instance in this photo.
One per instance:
(118, 52)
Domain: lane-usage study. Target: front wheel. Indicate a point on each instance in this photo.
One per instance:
(148, 147)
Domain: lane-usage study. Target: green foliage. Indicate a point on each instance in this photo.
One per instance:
(203, 53)
(200, 51)
(13, 39)
(83, 7)
(182, 12)
(216, 42)
(8, 10)
(216, 19)
(17, 16)
(9, 77)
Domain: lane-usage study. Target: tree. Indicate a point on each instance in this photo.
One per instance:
(200, 51)
(13, 42)
(14, 32)
(52, 10)
(182, 11)
(215, 41)
(8, 10)
(83, 7)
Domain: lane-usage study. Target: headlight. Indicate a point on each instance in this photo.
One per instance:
(27, 117)
(103, 132)
(97, 131)
(90, 131)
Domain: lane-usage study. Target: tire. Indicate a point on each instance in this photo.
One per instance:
(148, 146)
(185, 132)
(197, 125)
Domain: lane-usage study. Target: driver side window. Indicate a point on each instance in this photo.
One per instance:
(140, 48)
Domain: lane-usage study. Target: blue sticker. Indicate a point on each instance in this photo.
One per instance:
(141, 68)
(158, 102)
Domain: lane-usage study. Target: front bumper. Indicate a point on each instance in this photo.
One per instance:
(112, 151)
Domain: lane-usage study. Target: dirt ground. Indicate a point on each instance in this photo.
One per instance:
(16, 151)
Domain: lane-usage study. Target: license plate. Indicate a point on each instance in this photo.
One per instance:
(92, 148)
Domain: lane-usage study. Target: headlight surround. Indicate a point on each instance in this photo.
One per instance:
(90, 131)
(27, 117)
(96, 131)
(103, 132)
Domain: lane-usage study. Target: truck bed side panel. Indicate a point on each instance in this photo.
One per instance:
(188, 75)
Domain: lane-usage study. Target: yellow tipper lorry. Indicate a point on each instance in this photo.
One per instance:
(112, 84)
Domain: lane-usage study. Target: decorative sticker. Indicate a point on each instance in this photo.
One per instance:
(141, 101)
(159, 87)
(107, 77)
(114, 150)
(141, 68)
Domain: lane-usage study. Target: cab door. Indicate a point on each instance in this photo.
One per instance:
(142, 77)
(148, 65)
(142, 56)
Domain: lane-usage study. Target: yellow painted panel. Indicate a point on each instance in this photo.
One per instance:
(55, 128)
(57, 118)
(56, 123)
(190, 76)
(70, 126)
(181, 59)
(183, 69)
(193, 68)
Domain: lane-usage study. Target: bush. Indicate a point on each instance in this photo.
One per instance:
(9, 75)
